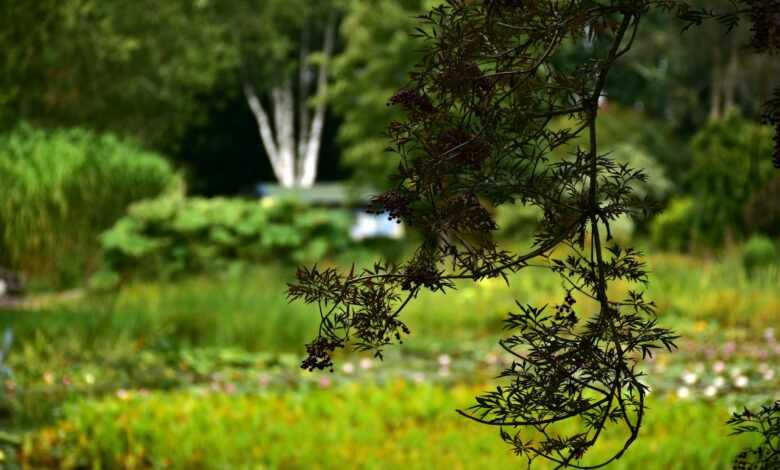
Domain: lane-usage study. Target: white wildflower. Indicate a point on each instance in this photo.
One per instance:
(690, 378)
(444, 360)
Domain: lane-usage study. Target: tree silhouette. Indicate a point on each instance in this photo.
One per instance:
(476, 136)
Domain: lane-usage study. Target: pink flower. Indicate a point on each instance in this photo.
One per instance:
(324, 382)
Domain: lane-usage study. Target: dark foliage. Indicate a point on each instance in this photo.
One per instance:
(476, 136)
(765, 423)
(772, 117)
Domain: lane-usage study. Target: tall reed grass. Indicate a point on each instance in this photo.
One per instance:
(61, 188)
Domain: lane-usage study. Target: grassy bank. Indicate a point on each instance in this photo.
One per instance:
(396, 425)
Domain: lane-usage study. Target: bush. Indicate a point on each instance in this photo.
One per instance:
(61, 189)
(173, 235)
(731, 161)
(672, 228)
(759, 253)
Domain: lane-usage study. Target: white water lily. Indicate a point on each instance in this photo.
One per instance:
(690, 378)
(683, 392)
(741, 381)
(710, 391)
(719, 382)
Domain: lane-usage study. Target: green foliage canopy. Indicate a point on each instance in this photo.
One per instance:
(130, 67)
(729, 164)
(379, 52)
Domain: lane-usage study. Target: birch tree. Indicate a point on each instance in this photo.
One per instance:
(292, 139)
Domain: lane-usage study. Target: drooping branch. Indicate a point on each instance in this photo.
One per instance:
(477, 133)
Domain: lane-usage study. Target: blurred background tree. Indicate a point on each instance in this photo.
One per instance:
(379, 52)
(112, 65)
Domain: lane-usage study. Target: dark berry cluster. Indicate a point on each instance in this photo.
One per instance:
(318, 354)
(411, 101)
(395, 203)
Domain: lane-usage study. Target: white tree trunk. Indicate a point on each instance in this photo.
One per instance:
(294, 155)
(264, 126)
(284, 120)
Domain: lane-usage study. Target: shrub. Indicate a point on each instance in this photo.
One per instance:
(759, 253)
(672, 229)
(729, 165)
(170, 236)
(61, 188)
